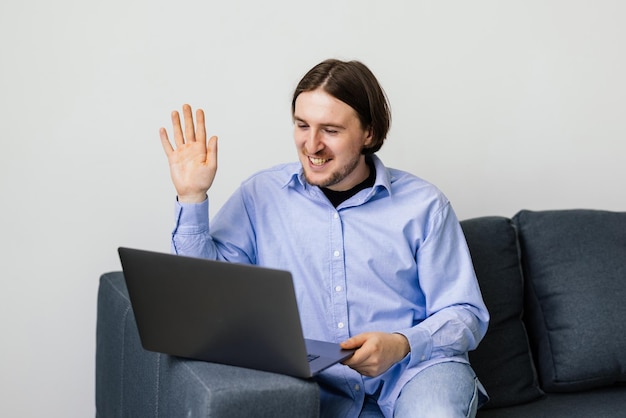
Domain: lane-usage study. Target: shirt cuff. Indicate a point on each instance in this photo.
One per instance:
(192, 218)
(421, 344)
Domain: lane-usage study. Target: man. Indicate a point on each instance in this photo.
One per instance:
(379, 260)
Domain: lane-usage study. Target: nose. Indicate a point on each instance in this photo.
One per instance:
(313, 143)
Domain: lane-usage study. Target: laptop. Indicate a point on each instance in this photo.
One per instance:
(236, 314)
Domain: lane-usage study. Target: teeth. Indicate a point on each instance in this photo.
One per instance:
(317, 161)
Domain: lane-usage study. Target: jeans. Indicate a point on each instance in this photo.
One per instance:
(444, 390)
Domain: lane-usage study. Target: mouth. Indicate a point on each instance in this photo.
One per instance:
(318, 162)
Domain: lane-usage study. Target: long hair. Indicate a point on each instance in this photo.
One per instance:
(354, 84)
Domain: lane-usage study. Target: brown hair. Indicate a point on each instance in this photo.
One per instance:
(354, 84)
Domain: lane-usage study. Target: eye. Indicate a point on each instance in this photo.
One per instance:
(301, 125)
(331, 131)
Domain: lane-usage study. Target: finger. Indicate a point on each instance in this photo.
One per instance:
(190, 134)
(165, 142)
(179, 139)
(363, 362)
(353, 360)
(201, 127)
(360, 354)
(358, 360)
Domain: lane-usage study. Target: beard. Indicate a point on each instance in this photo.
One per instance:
(336, 176)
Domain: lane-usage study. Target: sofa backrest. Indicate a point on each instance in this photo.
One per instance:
(554, 283)
(574, 264)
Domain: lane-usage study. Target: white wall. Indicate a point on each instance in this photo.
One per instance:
(503, 104)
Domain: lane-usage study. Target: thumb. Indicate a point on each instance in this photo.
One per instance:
(212, 150)
(354, 342)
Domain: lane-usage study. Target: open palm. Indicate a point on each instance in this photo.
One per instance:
(193, 160)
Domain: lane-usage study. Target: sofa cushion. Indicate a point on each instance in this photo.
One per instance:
(608, 402)
(575, 268)
(502, 361)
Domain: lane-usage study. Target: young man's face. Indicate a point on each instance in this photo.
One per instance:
(329, 139)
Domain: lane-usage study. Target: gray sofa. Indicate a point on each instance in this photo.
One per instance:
(555, 285)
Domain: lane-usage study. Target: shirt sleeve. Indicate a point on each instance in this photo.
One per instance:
(456, 316)
(190, 236)
(229, 238)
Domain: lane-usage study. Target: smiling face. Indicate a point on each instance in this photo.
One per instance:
(329, 138)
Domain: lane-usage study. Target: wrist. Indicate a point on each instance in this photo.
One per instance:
(194, 198)
(403, 344)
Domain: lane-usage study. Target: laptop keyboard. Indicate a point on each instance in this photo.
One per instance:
(311, 357)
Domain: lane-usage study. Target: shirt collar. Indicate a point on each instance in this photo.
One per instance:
(383, 177)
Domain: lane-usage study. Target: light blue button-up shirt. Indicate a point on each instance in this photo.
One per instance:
(392, 258)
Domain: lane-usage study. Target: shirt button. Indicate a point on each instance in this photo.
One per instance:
(338, 289)
(357, 387)
(336, 253)
(340, 325)
(336, 215)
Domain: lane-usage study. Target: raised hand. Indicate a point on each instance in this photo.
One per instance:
(193, 160)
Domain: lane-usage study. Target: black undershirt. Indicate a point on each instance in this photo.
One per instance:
(338, 197)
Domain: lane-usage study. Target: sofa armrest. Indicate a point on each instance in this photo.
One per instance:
(131, 381)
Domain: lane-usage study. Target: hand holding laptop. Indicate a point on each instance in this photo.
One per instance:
(375, 352)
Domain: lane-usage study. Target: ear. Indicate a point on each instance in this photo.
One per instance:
(369, 138)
